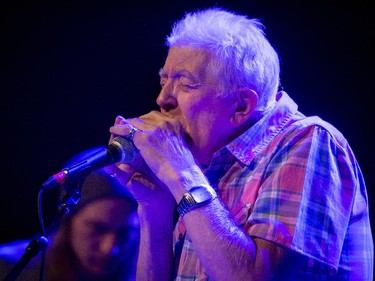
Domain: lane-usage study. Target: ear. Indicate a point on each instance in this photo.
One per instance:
(247, 101)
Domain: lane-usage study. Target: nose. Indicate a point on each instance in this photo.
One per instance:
(167, 99)
(109, 245)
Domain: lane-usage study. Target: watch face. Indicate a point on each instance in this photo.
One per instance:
(195, 197)
(201, 194)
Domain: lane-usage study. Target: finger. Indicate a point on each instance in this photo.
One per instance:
(124, 130)
(120, 120)
(122, 172)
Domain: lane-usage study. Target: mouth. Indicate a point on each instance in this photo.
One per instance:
(177, 116)
(100, 266)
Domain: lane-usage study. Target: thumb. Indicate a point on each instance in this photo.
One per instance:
(122, 172)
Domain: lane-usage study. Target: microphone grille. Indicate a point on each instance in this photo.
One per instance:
(127, 148)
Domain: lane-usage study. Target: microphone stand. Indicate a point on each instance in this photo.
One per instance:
(69, 201)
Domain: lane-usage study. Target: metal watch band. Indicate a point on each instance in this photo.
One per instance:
(206, 194)
(185, 204)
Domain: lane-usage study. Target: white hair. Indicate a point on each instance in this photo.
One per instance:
(244, 56)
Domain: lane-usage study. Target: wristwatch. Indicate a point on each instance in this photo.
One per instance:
(196, 197)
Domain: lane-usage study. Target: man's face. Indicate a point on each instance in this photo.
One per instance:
(190, 94)
(104, 236)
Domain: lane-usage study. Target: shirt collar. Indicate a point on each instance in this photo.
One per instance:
(247, 145)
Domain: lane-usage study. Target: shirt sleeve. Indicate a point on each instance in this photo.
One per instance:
(306, 195)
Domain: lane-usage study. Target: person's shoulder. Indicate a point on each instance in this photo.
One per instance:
(30, 273)
(316, 125)
(5, 268)
(10, 254)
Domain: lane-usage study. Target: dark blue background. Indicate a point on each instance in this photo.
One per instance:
(70, 67)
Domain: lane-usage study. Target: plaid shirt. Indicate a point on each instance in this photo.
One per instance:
(292, 180)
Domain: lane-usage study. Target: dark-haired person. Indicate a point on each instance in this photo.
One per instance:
(98, 240)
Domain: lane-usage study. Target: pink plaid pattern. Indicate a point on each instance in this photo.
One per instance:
(293, 180)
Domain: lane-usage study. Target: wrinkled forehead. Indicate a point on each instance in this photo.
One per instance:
(188, 59)
(198, 64)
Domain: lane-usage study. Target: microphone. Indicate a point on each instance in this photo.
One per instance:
(120, 150)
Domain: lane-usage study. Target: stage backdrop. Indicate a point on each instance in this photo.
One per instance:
(69, 68)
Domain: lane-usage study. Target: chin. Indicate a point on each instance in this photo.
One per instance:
(100, 271)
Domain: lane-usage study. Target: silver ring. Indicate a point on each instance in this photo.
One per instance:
(131, 133)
